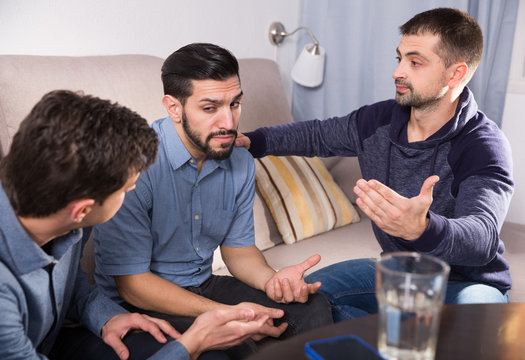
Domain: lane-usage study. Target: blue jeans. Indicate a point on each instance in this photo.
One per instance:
(349, 286)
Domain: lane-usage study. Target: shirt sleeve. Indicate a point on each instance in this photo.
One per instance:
(483, 189)
(173, 350)
(330, 137)
(130, 225)
(89, 306)
(14, 343)
(241, 232)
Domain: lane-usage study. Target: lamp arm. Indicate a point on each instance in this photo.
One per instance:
(314, 39)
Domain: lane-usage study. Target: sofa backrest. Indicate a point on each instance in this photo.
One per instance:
(130, 80)
(134, 81)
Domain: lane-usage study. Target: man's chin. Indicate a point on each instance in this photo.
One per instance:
(401, 99)
(220, 154)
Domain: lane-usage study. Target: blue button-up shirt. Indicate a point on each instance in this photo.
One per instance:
(177, 216)
(37, 290)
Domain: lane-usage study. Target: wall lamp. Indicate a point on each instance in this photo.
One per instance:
(309, 67)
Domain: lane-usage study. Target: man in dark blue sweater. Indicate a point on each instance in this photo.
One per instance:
(437, 174)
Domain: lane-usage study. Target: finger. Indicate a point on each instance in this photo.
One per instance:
(262, 329)
(287, 292)
(362, 190)
(273, 313)
(367, 210)
(313, 288)
(242, 140)
(301, 296)
(239, 314)
(274, 331)
(379, 198)
(117, 345)
(387, 193)
(148, 324)
(277, 290)
(253, 328)
(165, 327)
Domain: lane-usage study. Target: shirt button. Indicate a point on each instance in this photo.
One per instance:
(191, 161)
(197, 185)
(59, 305)
(197, 249)
(196, 217)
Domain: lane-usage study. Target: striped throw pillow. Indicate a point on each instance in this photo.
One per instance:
(302, 196)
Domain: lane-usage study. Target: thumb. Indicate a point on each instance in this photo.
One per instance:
(428, 187)
(308, 263)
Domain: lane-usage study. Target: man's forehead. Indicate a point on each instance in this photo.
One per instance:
(418, 44)
(216, 89)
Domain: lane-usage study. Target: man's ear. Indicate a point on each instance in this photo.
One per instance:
(458, 74)
(173, 107)
(78, 209)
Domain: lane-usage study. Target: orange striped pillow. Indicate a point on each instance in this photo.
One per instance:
(302, 196)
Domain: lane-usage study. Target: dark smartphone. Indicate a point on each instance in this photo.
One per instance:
(341, 347)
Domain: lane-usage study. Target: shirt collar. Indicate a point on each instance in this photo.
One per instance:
(21, 252)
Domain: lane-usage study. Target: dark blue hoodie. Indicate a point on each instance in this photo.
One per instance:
(469, 153)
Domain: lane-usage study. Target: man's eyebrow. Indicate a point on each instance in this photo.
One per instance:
(219, 102)
(412, 53)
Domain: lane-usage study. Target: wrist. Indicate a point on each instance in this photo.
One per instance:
(191, 346)
(267, 277)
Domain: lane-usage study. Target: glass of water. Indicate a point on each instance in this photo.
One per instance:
(410, 288)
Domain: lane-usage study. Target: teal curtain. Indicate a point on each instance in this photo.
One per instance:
(361, 36)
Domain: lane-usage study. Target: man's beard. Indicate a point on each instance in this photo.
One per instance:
(415, 100)
(222, 154)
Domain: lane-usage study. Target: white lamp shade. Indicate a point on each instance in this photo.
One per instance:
(308, 69)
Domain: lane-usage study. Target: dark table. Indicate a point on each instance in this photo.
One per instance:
(467, 332)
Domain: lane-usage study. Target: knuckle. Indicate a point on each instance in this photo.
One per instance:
(395, 216)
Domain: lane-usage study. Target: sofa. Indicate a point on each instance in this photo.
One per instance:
(134, 81)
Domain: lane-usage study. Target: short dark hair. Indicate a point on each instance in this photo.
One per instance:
(460, 34)
(197, 61)
(73, 146)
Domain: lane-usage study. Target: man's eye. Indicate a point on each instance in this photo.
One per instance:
(415, 63)
(209, 108)
(398, 59)
(235, 104)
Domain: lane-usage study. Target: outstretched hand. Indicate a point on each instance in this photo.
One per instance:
(288, 285)
(394, 214)
(119, 325)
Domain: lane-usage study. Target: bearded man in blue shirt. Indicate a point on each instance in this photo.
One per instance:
(196, 197)
(69, 167)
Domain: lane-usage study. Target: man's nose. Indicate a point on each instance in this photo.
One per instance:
(399, 72)
(225, 120)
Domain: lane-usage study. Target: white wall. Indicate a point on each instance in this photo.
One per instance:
(156, 27)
